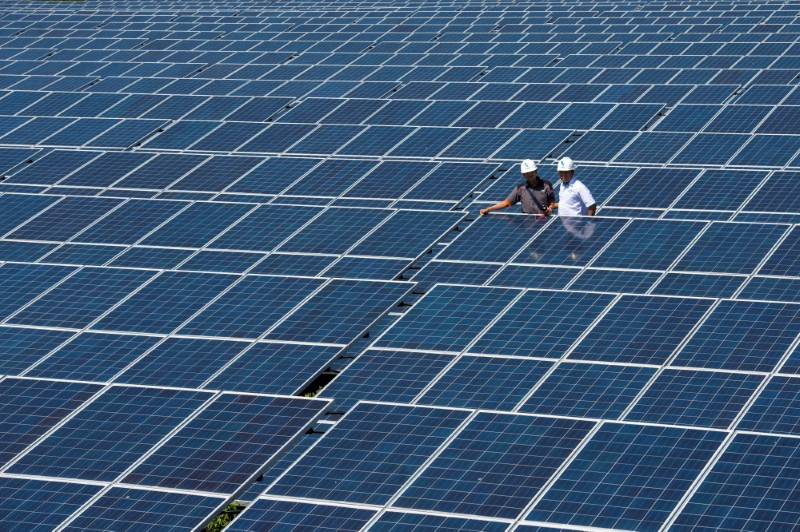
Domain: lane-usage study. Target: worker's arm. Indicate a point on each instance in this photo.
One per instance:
(496, 207)
(591, 209)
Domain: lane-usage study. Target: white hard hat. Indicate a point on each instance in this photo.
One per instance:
(565, 165)
(527, 166)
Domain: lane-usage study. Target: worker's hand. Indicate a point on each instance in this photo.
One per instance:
(484, 211)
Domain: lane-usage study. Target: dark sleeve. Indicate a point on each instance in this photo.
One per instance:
(514, 197)
(548, 191)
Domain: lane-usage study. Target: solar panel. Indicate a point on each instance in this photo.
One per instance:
(620, 462)
(124, 507)
(522, 452)
(30, 503)
(640, 329)
(263, 426)
(273, 513)
(124, 422)
(393, 441)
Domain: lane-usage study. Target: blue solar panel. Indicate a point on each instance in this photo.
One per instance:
(775, 410)
(110, 434)
(570, 241)
(197, 225)
(699, 398)
(41, 504)
(641, 329)
(122, 508)
(264, 228)
(624, 463)
(52, 167)
(389, 443)
(165, 302)
(588, 390)
(64, 219)
(191, 459)
(731, 248)
(698, 285)
(23, 251)
(753, 485)
(492, 383)
(447, 318)
(521, 453)
(274, 514)
(648, 244)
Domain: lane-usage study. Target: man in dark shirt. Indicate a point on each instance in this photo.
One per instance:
(535, 194)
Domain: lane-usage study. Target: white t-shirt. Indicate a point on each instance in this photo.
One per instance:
(574, 199)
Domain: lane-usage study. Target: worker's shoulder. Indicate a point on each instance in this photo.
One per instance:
(520, 186)
(547, 183)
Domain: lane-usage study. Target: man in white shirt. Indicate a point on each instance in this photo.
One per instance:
(574, 198)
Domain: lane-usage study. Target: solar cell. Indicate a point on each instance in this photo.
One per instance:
(335, 230)
(570, 241)
(775, 408)
(615, 281)
(52, 167)
(64, 219)
(197, 224)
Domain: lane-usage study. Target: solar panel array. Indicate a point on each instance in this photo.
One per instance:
(213, 210)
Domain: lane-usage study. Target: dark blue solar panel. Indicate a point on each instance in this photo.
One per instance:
(181, 362)
(740, 335)
(251, 307)
(23, 251)
(776, 409)
(426, 142)
(431, 522)
(753, 485)
(491, 383)
(17, 208)
(181, 135)
(197, 225)
(687, 118)
(93, 356)
(160, 171)
(588, 390)
(367, 268)
(158, 258)
(653, 147)
(326, 139)
(264, 228)
(20, 283)
(41, 505)
(596, 145)
(784, 260)
(447, 318)
(389, 442)
(767, 150)
(274, 368)
(700, 398)
(378, 375)
(269, 514)
(648, 244)
(289, 264)
(452, 272)
(615, 281)
(31, 407)
(339, 174)
(641, 329)
(109, 434)
(105, 170)
(52, 167)
(216, 174)
(408, 234)
(570, 241)
(212, 455)
(530, 144)
(126, 508)
(63, 220)
(165, 302)
(628, 476)
(479, 143)
(698, 285)
(227, 137)
(451, 181)
(559, 318)
(782, 119)
(638, 191)
(340, 312)
(519, 452)
(82, 298)
(273, 175)
(335, 230)
(731, 248)
(479, 239)
(126, 134)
